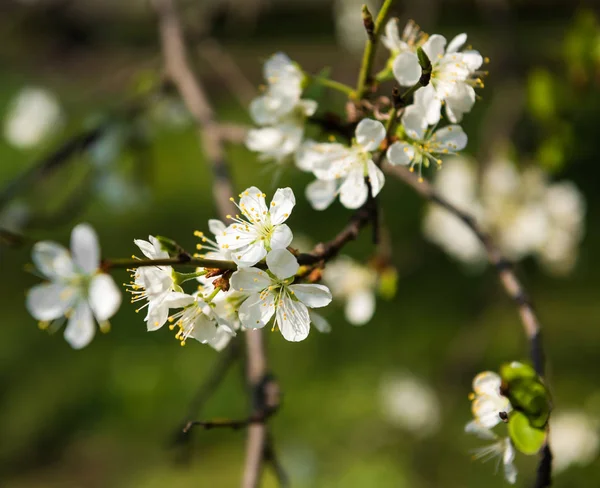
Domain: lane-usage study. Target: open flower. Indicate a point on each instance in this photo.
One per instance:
(271, 293)
(153, 284)
(501, 449)
(260, 228)
(488, 402)
(194, 320)
(404, 61)
(424, 145)
(76, 288)
(341, 170)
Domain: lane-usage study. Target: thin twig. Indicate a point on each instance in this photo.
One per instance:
(179, 72)
(510, 283)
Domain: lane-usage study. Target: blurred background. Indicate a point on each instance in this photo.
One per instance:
(381, 404)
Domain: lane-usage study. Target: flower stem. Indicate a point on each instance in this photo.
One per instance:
(212, 295)
(334, 85)
(373, 32)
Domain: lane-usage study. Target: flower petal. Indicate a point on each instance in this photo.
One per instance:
(252, 204)
(216, 227)
(266, 139)
(80, 329)
(376, 177)
(204, 329)
(313, 296)
(319, 322)
(487, 383)
(486, 409)
(104, 297)
(369, 134)
(222, 338)
(49, 301)
(460, 101)
(360, 307)
(158, 313)
(321, 194)
(429, 104)
(53, 260)
(282, 204)
(257, 310)
(451, 137)
(406, 68)
(281, 237)
(250, 280)
(293, 320)
(249, 255)
(400, 153)
(282, 263)
(85, 248)
(354, 191)
(456, 43)
(510, 470)
(434, 47)
(414, 121)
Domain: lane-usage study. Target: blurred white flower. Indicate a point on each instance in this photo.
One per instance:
(271, 293)
(355, 284)
(574, 439)
(32, 116)
(526, 214)
(410, 403)
(76, 289)
(341, 170)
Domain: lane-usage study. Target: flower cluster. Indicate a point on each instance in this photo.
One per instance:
(526, 213)
(280, 111)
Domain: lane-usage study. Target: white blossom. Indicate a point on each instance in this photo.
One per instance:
(501, 449)
(260, 228)
(272, 293)
(410, 403)
(574, 439)
(355, 284)
(404, 60)
(488, 401)
(341, 170)
(33, 115)
(76, 288)
(195, 319)
(423, 144)
(279, 111)
(153, 284)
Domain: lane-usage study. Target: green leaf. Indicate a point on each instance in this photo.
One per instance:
(526, 438)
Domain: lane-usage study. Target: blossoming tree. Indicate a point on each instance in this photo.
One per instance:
(244, 274)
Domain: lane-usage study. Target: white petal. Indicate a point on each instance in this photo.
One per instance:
(85, 248)
(406, 68)
(472, 59)
(50, 301)
(460, 101)
(360, 307)
(456, 43)
(451, 137)
(52, 259)
(282, 204)
(369, 134)
(510, 470)
(256, 312)
(414, 121)
(400, 153)
(486, 409)
(354, 191)
(281, 237)
(282, 263)
(104, 297)
(487, 383)
(204, 329)
(429, 103)
(177, 299)
(313, 296)
(434, 47)
(321, 194)
(319, 322)
(293, 320)
(376, 177)
(158, 313)
(250, 280)
(146, 247)
(249, 255)
(80, 329)
(266, 139)
(216, 226)
(222, 338)
(309, 107)
(391, 39)
(480, 431)
(259, 111)
(252, 203)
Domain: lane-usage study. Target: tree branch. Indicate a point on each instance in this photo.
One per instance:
(510, 283)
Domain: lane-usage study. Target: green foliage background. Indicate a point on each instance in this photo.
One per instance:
(108, 415)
